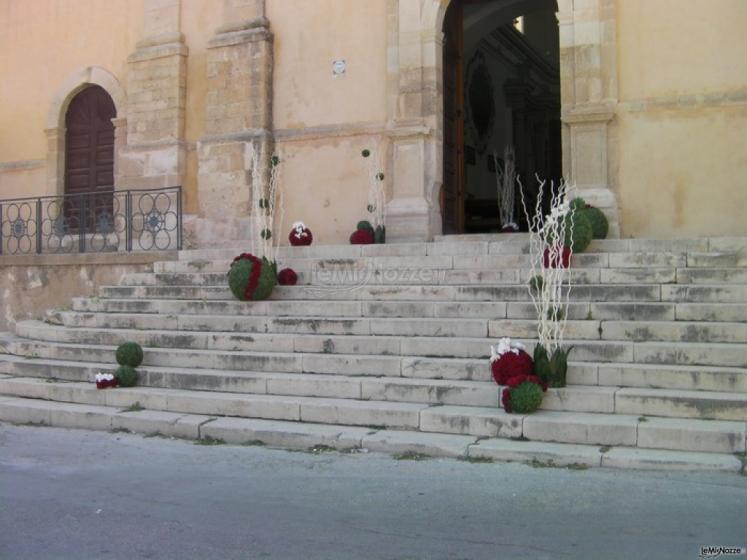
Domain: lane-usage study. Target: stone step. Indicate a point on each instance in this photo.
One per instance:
(347, 412)
(335, 351)
(397, 389)
(216, 262)
(638, 331)
(395, 276)
(576, 456)
(658, 376)
(241, 431)
(309, 436)
(681, 404)
(450, 347)
(271, 324)
(564, 427)
(398, 309)
(432, 391)
(505, 293)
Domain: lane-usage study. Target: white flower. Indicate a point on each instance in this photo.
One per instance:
(505, 345)
(104, 377)
(300, 227)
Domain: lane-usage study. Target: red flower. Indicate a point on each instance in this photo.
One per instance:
(506, 399)
(287, 277)
(557, 260)
(362, 237)
(510, 365)
(298, 240)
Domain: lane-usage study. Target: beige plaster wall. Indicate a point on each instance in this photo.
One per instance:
(682, 116)
(31, 285)
(89, 33)
(324, 122)
(309, 35)
(325, 187)
(199, 20)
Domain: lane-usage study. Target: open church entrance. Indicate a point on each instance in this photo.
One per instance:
(501, 88)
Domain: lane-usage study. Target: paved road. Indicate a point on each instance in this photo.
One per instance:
(77, 495)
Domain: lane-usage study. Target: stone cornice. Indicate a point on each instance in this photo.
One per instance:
(251, 35)
(158, 51)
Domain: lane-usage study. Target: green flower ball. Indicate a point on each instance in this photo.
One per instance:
(599, 224)
(526, 398)
(127, 376)
(240, 274)
(129, 354)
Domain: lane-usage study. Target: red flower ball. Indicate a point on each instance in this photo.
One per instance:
(562, 260)
(287, 277)
(510, 365)
(362, 237)
(300, 239)
(506, 400)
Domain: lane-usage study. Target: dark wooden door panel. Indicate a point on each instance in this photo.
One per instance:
(89, 156)
(453, 143)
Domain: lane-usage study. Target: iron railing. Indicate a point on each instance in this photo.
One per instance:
(104, 221)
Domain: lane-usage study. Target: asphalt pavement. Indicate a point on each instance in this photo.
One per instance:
(79, 495)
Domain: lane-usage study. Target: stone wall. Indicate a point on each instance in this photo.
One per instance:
(30, 285)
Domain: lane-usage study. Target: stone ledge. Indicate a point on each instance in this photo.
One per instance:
(88, 258)
(158, 51)
(229, 38)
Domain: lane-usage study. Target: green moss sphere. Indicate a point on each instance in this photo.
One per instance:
(238, 278)
(578, 232)
(365, 224)
(127, 376)
(598, 221)
(526, 398)
(130, 354)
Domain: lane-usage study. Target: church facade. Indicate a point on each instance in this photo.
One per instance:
(642, 104)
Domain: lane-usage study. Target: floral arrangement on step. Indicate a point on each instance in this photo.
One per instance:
(376, 204)
(513, 368)
(300, 235)
(287, 277)
(552, 242)
(105, 380)
(506, 184)
(129, 355)
(252, 276)
(597, 220)
(364, 234)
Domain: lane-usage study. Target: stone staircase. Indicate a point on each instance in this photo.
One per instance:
(385, 347)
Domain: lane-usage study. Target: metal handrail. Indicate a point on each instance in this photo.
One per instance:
(98, 221)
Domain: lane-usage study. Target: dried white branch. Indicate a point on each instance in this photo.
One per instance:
(506, 185)
(546, 235)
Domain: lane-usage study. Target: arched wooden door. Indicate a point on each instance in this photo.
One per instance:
(89, 157)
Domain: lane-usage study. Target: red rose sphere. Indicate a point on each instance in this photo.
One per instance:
(287, 277)
(511, 365)
(302, 238)
(362, 237)
(562, 260)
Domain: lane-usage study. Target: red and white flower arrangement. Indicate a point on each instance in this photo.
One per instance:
(509, 359)
(300, 235)
(105, 380)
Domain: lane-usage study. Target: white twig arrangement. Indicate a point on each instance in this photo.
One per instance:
(506, 185)
(550, 284)
(269, 209)
(376, 193)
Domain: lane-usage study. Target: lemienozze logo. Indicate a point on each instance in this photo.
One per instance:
(717, 551)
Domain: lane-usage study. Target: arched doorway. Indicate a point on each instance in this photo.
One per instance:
(501, 91)
(89, 157)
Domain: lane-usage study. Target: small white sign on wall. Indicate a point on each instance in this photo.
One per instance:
(338, 68)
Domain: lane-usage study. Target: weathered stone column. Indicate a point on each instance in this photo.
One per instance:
(414, 214)
(588, 80)
(239, 121)
(155, 152)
